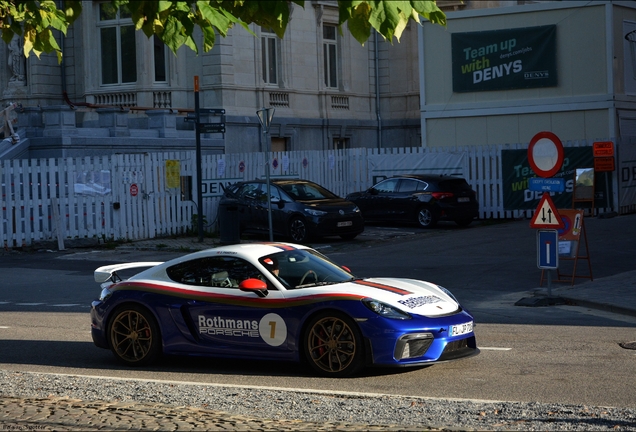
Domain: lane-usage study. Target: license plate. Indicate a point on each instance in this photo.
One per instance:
(463, 199)
(344, 224)
(461, 329)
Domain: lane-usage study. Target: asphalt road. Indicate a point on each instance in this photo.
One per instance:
(562, 354)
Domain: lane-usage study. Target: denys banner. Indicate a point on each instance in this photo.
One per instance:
(504, 59)
(516, 171)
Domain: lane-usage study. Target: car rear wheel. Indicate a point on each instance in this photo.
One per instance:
(426, 218)
(134, 335)
(298, 230)
(333, 345)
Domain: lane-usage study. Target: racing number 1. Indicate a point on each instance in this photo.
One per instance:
(272, 332)
(272, 329)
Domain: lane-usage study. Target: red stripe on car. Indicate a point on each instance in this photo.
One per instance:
(384, 287)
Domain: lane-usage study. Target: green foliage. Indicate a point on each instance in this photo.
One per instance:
(35, 20)
(174, 21)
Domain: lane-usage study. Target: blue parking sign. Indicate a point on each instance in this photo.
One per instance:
(547, 249)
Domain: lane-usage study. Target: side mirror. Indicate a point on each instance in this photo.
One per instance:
(255, 286)
(373, 191)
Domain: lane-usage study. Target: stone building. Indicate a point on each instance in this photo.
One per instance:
(118, 91)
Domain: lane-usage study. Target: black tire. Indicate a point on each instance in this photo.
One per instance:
(425, 217)
(298, 230)
(464, 222)
(133, 335)
(333, 345)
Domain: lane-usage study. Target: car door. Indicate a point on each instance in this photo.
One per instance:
(405, 199)
(381, 200)
(226, 320)
(251, 209)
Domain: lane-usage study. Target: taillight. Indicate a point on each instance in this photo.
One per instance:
(442, 195)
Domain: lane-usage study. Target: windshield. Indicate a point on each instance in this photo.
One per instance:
(304, 268)
(307, 191)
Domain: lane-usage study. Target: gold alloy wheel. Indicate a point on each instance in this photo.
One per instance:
(332, 344)
(131, 336)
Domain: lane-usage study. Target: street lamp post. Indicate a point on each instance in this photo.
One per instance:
(265, 116)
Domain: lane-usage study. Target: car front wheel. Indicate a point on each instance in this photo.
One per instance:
(333, 345)
(134, 335)
(425, 218)
(298, 230)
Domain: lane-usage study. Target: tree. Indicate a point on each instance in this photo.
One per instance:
(174, 21)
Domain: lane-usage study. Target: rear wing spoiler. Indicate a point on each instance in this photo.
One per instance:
(109, 272)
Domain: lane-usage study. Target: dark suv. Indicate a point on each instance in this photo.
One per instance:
(420, 199)
(300, 209)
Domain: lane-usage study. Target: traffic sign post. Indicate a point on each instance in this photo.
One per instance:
(545, 156)
(548, 253)
(548, 249)
(546, 214)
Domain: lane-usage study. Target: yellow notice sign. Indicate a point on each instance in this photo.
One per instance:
(173, 178)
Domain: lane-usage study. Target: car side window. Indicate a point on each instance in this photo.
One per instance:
(274, 193)
(386, 186)
(218, 271)
(250, 191)
(421, 186)
(408, 185)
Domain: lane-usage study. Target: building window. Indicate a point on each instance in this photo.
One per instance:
(118, 48)
(330, 42)
(279, 144)
(159, 50)
(341, 143)
(269, 53)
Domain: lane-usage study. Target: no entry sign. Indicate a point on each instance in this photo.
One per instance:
(545, 154)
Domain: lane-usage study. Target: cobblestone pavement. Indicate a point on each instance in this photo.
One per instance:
(62, 414)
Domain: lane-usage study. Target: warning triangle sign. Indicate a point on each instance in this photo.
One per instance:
(546, 214)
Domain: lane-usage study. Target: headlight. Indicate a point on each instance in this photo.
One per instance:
(314, 212)
(385, 310)
(105, 294)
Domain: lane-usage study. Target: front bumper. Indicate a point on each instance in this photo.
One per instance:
(418, 341)
(328, 225)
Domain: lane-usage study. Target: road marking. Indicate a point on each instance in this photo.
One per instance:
(4, 327)
(494, 348)
(29, 304)
(256, 387)
(65, 305)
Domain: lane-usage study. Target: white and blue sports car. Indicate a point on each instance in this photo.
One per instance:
(276, 301)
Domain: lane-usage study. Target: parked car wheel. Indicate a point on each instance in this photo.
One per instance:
(134, 336)
(426, 218)
(298, 230)
(333, 345)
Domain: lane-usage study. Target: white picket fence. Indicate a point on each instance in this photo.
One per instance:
(138, 196)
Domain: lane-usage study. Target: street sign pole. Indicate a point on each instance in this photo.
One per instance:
(198, 161)
(265, 116)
